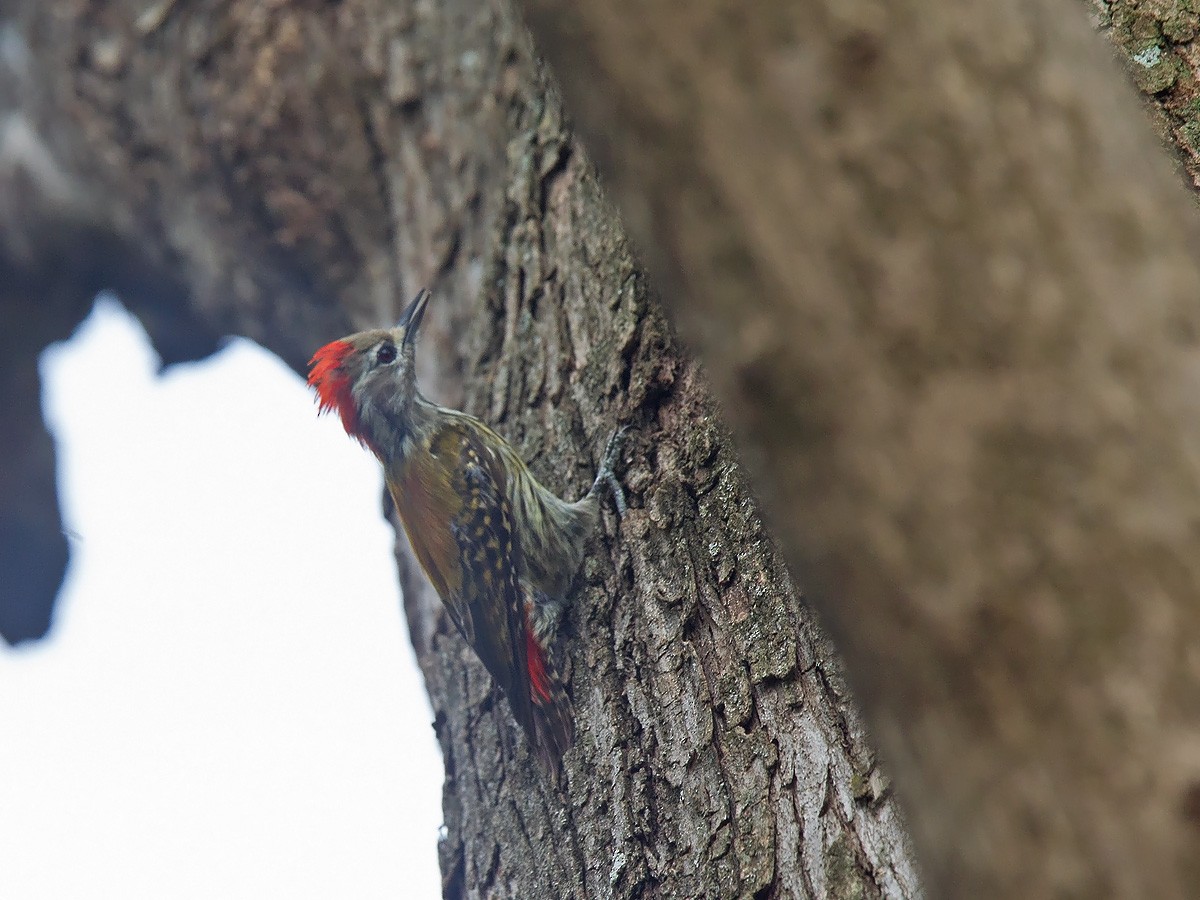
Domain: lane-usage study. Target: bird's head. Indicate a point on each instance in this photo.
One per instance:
(369, 379)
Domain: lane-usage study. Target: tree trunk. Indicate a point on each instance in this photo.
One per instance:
(945, 286)
(293, 171)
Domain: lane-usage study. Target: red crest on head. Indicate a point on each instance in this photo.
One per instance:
(328, 377)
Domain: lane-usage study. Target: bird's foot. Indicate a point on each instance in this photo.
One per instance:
(606, 475)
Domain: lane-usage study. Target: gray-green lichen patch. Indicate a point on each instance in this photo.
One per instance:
(1155, 70)
(1148, 57)
(843, 877)
(1147, 34)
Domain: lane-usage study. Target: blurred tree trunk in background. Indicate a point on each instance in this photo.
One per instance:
(944, 286)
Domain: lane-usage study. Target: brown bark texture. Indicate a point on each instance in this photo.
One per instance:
(293, 171)
(947, 288)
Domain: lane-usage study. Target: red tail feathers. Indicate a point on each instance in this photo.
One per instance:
(553, 730)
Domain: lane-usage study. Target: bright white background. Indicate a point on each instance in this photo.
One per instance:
(227, 705)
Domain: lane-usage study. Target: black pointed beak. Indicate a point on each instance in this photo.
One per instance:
(410, 320)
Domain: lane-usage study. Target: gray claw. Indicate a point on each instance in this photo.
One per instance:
(606, 475)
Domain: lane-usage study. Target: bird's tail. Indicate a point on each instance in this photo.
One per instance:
(553, 726)
(546, 715)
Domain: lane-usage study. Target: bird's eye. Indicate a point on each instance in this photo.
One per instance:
(385, 354)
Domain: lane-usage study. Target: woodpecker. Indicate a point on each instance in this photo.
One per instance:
(499, 548)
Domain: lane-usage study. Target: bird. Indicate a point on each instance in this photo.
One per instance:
(500, 549)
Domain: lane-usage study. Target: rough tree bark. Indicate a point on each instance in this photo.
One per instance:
(291, 171)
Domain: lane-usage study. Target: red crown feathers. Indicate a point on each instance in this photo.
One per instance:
(328, 377)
